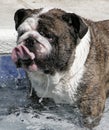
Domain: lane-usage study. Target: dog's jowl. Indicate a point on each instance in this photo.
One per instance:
(66, 58)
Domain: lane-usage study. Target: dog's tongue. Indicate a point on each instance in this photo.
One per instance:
(23, 53)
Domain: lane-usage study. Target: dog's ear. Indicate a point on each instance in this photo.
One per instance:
(75, 21)
(20, 16)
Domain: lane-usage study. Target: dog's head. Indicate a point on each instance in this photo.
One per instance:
(47, 39)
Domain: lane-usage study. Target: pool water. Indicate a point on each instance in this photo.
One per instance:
(19, 111)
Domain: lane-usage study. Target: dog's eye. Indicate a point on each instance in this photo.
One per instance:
(48, 36)
(42, 33)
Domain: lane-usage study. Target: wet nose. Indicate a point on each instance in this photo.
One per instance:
(29, 42)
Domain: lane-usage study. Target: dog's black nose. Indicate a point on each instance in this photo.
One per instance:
(29, 42)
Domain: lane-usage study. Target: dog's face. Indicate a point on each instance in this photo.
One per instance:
(47, 39)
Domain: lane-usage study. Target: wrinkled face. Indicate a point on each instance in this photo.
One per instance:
(46, 39)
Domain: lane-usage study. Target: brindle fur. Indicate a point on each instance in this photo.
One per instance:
(96, 77)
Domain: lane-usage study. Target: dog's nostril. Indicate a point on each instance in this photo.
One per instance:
(29, 42)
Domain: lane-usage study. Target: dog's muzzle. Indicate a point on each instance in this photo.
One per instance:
(31, 46)
(23, 57)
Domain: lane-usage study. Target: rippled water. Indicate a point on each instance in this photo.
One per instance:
(19, 111)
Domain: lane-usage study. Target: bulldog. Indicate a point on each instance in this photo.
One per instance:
(66, 58)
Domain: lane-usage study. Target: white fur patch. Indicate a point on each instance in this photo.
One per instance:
(82, 51)
(28, 25)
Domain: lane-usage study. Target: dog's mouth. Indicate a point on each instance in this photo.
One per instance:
(23, 57)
